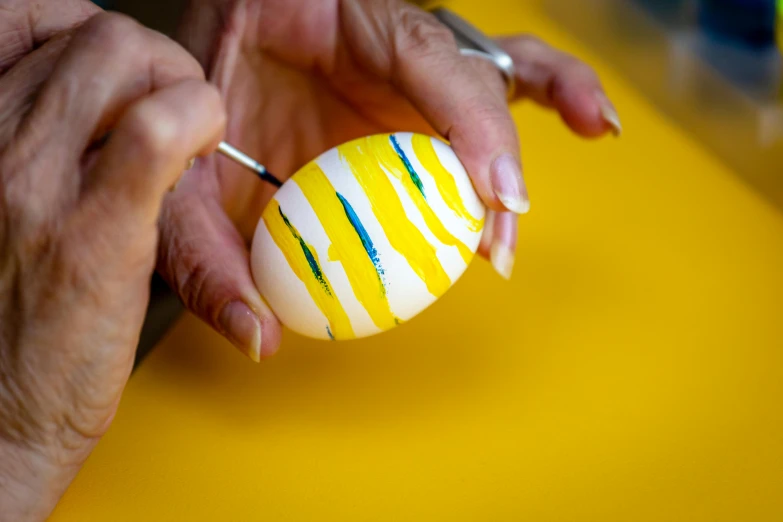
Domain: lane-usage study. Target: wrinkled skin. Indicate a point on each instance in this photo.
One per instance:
(299, 77)
(78, 224)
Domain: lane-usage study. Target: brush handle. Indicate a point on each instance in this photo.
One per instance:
(246, 161)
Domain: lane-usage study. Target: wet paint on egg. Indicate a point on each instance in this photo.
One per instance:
(366, 236)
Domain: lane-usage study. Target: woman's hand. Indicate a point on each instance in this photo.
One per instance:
(300, 77)
(78, 224)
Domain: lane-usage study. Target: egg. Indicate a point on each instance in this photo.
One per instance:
(366, 236)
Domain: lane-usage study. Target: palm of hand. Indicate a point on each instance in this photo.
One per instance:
(288, 102)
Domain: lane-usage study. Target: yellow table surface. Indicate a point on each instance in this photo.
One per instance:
(631, 371)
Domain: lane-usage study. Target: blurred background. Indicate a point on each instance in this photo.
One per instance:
(713, 66)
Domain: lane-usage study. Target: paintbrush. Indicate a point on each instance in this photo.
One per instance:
(246, 161)
(231, 153)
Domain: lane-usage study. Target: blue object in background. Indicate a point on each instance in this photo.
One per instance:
(738, 39)
(749, 23)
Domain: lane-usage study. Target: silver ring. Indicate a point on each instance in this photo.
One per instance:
(472, 42)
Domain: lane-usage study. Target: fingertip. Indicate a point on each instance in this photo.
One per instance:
(502, 253)
(588, 112)
(251, 326)
(609, 114)
(487, 234)
(488, 147)
(502, 259)
(472, 114)
(271, 338)
(205, 259)
(508, 184)
(242, 327)
(499, 242)
(271, 329)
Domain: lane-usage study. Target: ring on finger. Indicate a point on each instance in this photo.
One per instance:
(472, 42)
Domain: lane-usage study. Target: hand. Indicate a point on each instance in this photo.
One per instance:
(78, 224)
(300, 77)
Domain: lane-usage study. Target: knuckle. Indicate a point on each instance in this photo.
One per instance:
(83, 423)
(123, 40)
(151, 130)
(192, 272)
(192, 282)
(485, 114)
(581, 70)
(113, 32)
(485, 122)
(26, 214)
(534, 50)
(421, 32)
(532, 45)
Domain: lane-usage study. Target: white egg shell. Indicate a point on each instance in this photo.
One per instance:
(366, 236)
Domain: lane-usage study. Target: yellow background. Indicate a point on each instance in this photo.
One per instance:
(631, 371)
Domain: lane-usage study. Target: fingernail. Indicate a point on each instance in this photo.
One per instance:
(502, 259)
(508, 184)
(609, 114)
(242, 327)
(489, 231)
(504, 241)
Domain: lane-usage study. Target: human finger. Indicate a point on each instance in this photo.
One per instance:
(151, 146)
(110, 61)
(556, 79)
(206, 261)
(419, 56)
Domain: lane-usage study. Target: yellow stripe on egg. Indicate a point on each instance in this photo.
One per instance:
(347, 246)
(303, 260)
(444, 180)
(364, 158)
(390, 159)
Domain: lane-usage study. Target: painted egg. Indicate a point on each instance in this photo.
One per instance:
(366, 236)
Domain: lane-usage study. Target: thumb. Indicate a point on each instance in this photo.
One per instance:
(204, 259)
